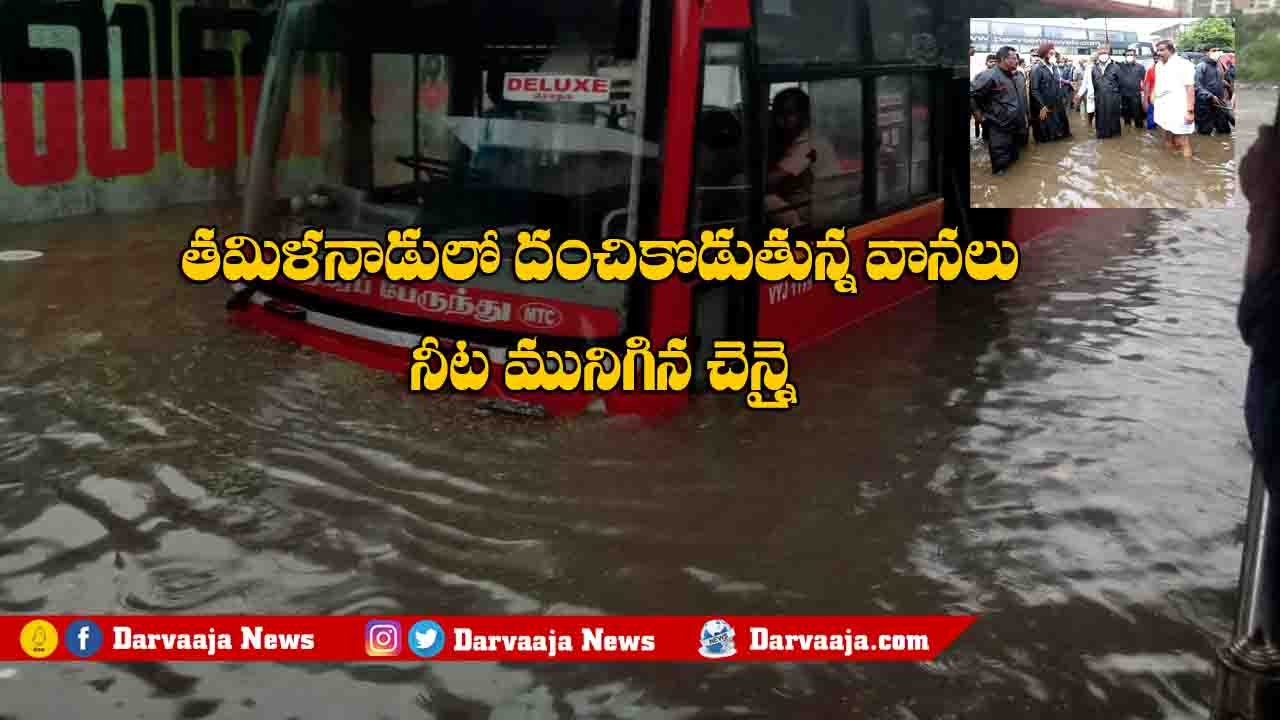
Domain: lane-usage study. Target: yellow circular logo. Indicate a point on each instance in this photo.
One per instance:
(39, 638)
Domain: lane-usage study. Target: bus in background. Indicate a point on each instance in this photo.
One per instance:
(635, 119)
(1146, 53)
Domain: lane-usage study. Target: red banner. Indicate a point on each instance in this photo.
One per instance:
(297, 638)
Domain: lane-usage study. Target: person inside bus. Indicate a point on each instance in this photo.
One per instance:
(1258, 315)
(797, 156)
(999, 101)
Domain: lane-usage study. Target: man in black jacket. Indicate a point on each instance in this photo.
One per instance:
(1106, 94)
(1048, 106)
(1131, 76)
(1211, 96)
(998, 99)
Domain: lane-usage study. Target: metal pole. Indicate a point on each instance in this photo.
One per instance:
(1248, 686)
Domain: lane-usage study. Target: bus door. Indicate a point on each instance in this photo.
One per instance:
(726, 156)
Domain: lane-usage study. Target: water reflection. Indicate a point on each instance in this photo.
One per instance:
(1064, 456)
(1134, 170)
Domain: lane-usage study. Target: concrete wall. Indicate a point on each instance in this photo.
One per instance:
(118, 105)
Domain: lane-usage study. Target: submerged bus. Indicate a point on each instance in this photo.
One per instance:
(636, 119)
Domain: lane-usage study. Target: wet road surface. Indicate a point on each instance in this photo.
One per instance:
(1064, 456)
(1134, 170)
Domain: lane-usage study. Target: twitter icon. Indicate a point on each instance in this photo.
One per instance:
(426, 638)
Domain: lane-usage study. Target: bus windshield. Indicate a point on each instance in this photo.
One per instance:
(455, 117)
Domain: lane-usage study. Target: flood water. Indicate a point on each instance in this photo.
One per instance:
(1134, 170)
(1064, 456)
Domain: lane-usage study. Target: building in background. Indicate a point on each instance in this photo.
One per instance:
(1202, 8)
(988, 35)
(1170, 33)
(1257, 6)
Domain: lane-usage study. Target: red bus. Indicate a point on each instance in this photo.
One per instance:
(446, 115)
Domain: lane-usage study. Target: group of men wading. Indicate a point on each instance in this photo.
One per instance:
(1172, 95)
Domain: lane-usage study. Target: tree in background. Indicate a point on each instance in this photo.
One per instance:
(1212, 31)
(1258, 57)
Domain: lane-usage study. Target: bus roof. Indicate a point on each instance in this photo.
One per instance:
(1112, 8)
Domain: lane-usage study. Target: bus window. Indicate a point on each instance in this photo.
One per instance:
(905, 164)
(803, 30)
(814, 153)
(525, 117)
(307, 152)
(721, 184)
(921, 167)
(393, 112)
(837, 115)
(893, 95)
(903, 30)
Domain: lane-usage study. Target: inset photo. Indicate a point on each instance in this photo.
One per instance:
(1102, 112)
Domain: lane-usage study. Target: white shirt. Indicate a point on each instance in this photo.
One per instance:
(1086, 88)
(1170, 96)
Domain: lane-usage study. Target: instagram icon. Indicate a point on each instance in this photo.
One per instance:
(382, 638)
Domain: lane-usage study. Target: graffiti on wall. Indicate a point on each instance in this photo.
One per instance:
(127, 104)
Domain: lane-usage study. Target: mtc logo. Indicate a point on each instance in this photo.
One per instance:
(537, 315)
(382, 638)
(84, 638)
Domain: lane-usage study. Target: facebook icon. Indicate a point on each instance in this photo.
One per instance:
(83, 638)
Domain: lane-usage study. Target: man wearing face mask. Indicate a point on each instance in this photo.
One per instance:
(1131, 76)
(1103, 88)
(996, 97)
(1077, 80)
(1048, 104)
(1065, 68)
(1211, 96)
(1066, 73)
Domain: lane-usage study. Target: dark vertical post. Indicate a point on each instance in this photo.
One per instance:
(224, 183)
(413, 110)
(1248, 685)
(955, 157)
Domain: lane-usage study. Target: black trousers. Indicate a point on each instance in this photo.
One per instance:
(1004, 146)
(1131, 111)
(1210, 120)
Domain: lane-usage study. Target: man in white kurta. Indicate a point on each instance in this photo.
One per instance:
(1084, 91)
(1174, 98)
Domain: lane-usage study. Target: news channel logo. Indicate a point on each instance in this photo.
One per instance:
(38, 638)
(84, 638)
(426, 638)
(717, 639)
(382, 638)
